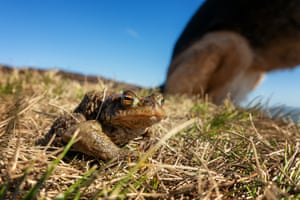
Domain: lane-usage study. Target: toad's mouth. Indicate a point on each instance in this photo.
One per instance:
(137, 120)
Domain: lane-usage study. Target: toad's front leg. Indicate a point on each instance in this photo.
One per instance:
(92, 140)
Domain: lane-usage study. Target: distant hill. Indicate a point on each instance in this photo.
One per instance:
(71, 75)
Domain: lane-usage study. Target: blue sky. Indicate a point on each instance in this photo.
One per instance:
(128, 40)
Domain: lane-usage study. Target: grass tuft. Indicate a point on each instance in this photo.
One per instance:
(31, 194)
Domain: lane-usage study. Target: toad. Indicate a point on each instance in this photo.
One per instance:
(107, 122)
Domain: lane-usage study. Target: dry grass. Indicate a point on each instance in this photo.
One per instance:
(200, 151)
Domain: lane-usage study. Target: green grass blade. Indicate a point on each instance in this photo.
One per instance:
(77, 184)
(3, 191)
(33, 191)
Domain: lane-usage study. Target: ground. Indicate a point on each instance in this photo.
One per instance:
(200, 151)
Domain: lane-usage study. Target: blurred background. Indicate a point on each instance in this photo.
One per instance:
(128, 41)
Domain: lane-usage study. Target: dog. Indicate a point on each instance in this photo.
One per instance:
(229, 45)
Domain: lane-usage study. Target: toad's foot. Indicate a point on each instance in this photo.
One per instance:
(92, 141)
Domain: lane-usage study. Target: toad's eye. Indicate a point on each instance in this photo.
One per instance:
(128, 98)
(159, 99)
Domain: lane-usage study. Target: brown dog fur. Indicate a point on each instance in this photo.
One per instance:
(228, 46)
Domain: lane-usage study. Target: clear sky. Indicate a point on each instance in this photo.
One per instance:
(126, 40)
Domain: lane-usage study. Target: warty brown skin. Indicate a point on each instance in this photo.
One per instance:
(106, 121)
(228, 46)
